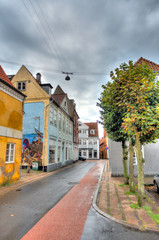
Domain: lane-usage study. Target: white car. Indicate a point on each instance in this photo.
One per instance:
(156, 182)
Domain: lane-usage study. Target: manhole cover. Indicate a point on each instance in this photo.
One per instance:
(73, 183)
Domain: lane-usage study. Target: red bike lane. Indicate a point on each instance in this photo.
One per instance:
(65, 221)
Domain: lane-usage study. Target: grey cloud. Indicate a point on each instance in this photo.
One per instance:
(92, 36)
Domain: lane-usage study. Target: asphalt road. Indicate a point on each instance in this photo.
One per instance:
(98, 227)
(20, 210)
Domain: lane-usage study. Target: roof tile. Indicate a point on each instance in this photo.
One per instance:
(152, 65)
(93, 126)
(4, 76)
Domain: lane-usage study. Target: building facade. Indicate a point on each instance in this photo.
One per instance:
(11, 118)
(88, 140)
(47, 124)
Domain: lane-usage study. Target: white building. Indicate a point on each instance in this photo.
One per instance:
(88, 140)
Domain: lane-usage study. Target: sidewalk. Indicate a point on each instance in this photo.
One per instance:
(114, 200)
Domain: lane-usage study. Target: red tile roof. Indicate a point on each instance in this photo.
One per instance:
(93, 126)
(4, 76)
(152, 65)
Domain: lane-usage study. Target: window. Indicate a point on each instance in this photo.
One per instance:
(84, 131)
(90, 142)
(95, 142)
(63, 124)
(10, 152)
(59, 152)
(95, 154)
(70, 129)
(52, 149)
(90, 153)
(84, 153)
(59, 121)
(52, 155)
(79, 141)
(84, 142)
(55, 117)
(79, 131)
(66, 126)
(21, 86)
(92, 131)
(51, 115)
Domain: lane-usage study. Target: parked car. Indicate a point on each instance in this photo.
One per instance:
(156, 182)
(82, 158)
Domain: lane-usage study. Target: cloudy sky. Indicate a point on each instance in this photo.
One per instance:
(86, 37)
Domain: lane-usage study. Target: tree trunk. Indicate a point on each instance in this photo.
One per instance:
(140, 169)
(125, 158)
(131, 167)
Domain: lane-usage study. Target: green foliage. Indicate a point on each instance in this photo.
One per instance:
(111, 114)
(131, 193)
(130, 108)
(153, 216)
(135, 205)
(122, 185)
(6, 182)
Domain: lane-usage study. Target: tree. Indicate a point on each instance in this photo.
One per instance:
(111, 118)
(138, 93)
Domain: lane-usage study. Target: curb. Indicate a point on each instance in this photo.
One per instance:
(23, 182)
(127, 225)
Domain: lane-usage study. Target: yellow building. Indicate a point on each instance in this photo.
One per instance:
(11, 115)
(36, 116)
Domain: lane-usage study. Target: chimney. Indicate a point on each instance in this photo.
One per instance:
(38, 78)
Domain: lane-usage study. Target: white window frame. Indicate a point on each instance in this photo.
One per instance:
(84, 153)
(21, 85)
(84, 142)
(11, 154)
(92, 131)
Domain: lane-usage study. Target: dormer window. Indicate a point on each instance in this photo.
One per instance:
(21, 86)
(92, 131)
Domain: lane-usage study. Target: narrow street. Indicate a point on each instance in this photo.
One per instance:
(23, 208)
(58, 207)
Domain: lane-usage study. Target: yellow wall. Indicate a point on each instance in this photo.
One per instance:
(10, 171)
(11, 113)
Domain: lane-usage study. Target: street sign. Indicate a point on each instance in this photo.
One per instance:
(25, 143)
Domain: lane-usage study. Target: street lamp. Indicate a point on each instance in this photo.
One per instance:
(67, 78)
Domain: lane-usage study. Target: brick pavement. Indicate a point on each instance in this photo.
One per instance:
(114, 200)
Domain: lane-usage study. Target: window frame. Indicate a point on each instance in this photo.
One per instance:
(22, 85)
(10, 155)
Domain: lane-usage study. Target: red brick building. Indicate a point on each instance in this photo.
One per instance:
(103, 146)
